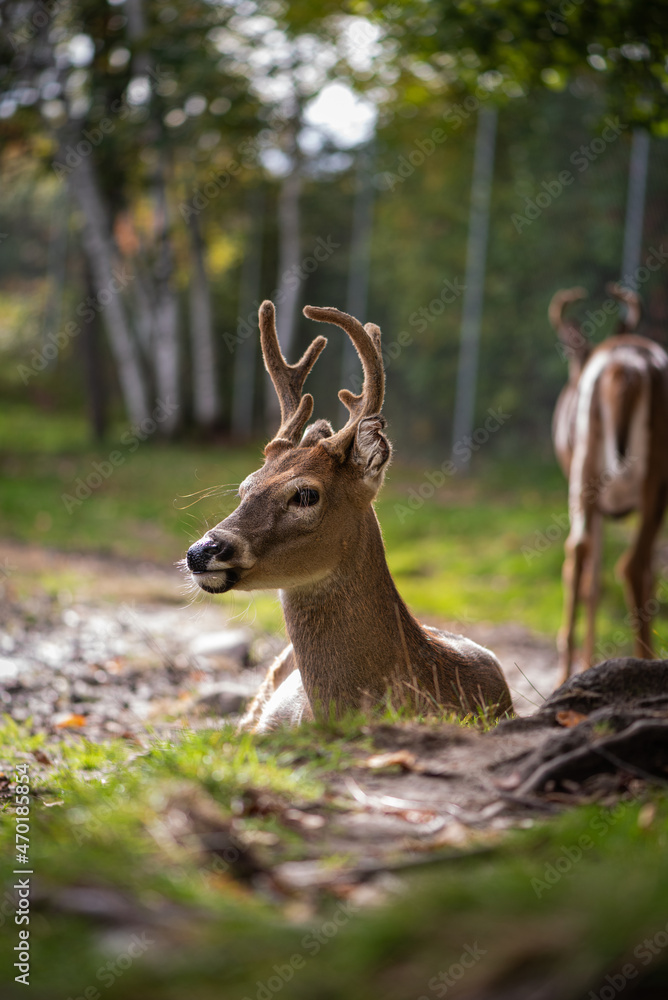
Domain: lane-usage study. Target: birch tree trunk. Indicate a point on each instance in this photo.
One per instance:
(246, 354)
(206, 397)
(166, 321)
(93, 365)
(165, 326)
(108, 286)
(143, 310)
(57, 268)
(358, 267)
(476, 262)
(635, 207)
(289, 276)
(289, 257)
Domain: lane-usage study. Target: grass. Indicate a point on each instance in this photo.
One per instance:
(541, 902)
(488, 548)
(108, 827)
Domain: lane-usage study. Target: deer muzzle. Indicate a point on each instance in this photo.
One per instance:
(217, 560)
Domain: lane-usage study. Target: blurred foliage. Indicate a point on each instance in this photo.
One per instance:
(511, 48)
(223, 91)
(229, 84)
(484, 550)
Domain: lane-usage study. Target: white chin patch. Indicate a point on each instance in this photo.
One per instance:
(216, 583)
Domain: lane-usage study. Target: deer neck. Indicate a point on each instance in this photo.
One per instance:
(351, 632)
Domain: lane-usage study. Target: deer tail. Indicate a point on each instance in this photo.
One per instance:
(622, 388)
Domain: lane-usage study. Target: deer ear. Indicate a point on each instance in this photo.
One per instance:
(371, 450)
(316, 432)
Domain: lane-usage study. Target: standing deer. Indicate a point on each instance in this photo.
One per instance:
(306, 525)
(610, 433)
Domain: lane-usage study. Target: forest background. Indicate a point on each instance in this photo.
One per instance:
(211, 155)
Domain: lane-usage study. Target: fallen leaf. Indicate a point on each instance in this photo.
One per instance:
(70, 722)
(404, 758)
(451, 834)
(647, 815)
(454, 834)
(371, 893)
(308, 821)
(115, 666)
(298, 911)
(429, 821)
(570, 718)
(509, 781)
(42, 758)
(127, 734)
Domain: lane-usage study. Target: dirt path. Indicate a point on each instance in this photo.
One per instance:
(121, 644)
(118, 651)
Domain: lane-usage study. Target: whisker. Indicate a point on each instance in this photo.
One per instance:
(243, 612)
(205, 489)
(227, 489)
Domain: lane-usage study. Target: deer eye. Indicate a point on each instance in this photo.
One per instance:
(305, 497)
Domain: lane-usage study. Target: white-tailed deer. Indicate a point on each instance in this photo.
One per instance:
(610, 433)
(306, 525)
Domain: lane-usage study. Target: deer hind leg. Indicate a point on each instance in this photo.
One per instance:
(636, 570)
(592, 588)
(577, 546)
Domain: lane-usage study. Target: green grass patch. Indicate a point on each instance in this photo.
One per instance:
(487, 548)
(574, 898)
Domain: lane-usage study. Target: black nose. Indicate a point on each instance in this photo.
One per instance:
(200, 554)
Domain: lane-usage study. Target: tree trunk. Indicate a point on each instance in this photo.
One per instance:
(165, 345)
(166, 320)
(246, 354)
(635, 207)
(206, 397)
(143, 309)
(94, 366)
(358, 267)
(57, 269)
(476, 261)
(289, 277)
(289, 282)
(98, 247)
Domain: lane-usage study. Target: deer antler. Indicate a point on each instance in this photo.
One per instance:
(288, 379)
(560, 300)
(369, 402)
(631, 300)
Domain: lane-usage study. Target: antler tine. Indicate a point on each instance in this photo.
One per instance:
(369, 402)
(560, 300)
(631, 300)
(288, 379)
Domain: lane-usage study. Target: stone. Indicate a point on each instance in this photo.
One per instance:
(233, 643)
(225, 697)
(9, 668)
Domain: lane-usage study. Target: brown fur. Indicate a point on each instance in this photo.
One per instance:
(352, 636)
(630, 366)
(576, 349)
(630, 318)
(620, 389)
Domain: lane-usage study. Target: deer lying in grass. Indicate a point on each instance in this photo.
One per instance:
(610, 433)
(306, 525)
